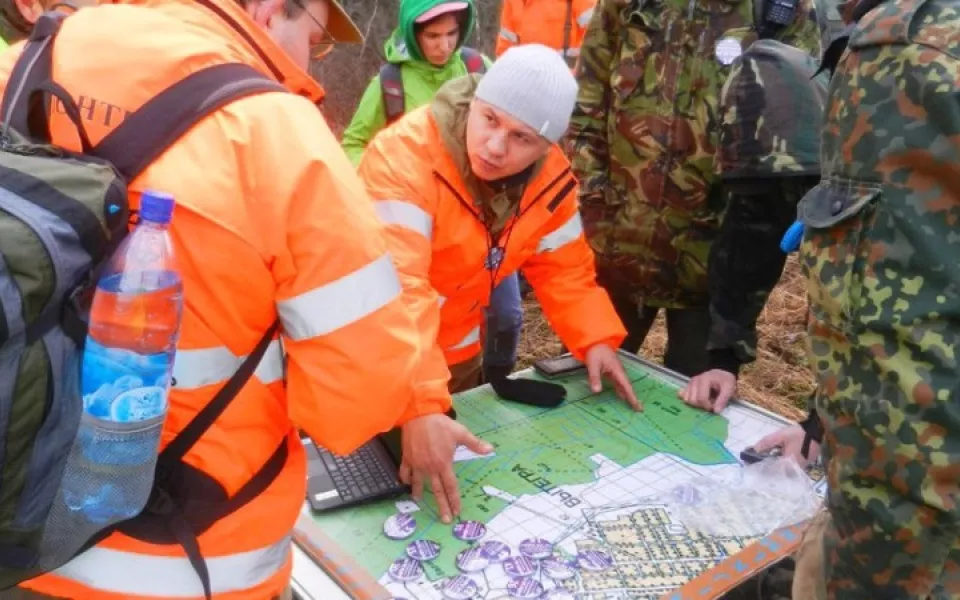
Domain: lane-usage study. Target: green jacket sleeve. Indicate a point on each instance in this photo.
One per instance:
(587, 141)
(369, 119)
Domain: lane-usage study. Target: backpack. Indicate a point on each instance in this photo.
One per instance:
(62, 214)
(391, 82)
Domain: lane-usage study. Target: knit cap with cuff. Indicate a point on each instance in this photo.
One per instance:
(532, 84)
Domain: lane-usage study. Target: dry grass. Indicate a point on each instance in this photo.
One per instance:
(779, 380)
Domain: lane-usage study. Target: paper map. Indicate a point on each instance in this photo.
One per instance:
(590, 475)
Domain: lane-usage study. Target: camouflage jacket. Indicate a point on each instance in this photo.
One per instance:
(880, 256)
(644, 134)
(769, 156)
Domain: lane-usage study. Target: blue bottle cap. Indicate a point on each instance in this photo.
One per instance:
(156, 207)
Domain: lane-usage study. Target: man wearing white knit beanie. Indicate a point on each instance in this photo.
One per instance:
(471, 189)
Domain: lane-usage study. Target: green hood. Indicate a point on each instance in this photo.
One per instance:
(402, 45)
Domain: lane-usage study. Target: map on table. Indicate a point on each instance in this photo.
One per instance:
(579, 501)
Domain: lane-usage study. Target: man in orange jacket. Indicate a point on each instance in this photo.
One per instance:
(472, 188)
(271, 221)
(559, 24)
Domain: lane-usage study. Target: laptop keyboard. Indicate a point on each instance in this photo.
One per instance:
(358, 475)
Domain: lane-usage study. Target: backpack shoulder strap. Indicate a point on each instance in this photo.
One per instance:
(473, 60)
(391, 85)
(26, 98)
(147, 133)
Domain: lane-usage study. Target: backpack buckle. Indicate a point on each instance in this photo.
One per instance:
(160, 502)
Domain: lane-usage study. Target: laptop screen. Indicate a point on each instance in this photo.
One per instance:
(391, 441)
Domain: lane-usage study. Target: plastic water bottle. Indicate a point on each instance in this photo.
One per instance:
(127, 370)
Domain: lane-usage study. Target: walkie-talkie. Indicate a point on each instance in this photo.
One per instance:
(780, 12)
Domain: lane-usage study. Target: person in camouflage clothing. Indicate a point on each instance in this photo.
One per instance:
(769, 156)
(642, 143)
(880, 258)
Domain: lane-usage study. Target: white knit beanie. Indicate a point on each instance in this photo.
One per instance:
(533, 84)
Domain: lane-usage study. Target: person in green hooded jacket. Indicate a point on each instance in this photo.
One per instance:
(427, 46)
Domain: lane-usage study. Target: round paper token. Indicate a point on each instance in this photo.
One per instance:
(559, 594)
(536, 548)
(472, 560)
(460, 587)
(557, 570)
(495, 551)
(405, 569)
(423, 550)
(524, 588)
(399, 526)
(469, 531)
(518, 566)
(727, 50)
(594, 560)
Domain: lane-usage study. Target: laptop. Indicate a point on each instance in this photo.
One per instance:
(370, 473)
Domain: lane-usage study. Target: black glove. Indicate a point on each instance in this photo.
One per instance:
(524, 391)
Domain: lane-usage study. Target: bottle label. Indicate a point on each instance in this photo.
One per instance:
(122, 385)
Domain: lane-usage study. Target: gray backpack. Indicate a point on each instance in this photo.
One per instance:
(62, 214)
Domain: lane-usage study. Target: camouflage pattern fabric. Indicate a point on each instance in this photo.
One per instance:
(880, 255)
(746, 263)
(770, 113)
(644, 135)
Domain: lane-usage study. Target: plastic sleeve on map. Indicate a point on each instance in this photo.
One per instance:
(724, 359)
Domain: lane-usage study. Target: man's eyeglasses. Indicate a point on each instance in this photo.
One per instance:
(325, 46)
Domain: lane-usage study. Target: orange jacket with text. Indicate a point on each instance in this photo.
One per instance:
(271, 220)
(441, 247)
(543, 22)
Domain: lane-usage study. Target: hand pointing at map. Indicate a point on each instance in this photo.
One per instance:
(602, 360)
(429, 443)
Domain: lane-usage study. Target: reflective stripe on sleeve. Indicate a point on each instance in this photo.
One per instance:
(509, 35)
(584, 19)
(135, 574)
(200, 367)
(405, 214)
(342, 302)
(471, 338)
(561, 236)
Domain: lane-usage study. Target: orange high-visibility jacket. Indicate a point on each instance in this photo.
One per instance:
(441, 247)
(542, 22)
(271, 220)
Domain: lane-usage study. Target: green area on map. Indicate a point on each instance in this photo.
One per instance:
(537, 450)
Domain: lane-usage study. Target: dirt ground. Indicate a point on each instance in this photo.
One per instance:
(779, 380)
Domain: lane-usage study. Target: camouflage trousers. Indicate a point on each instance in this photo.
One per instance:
(809, 581)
